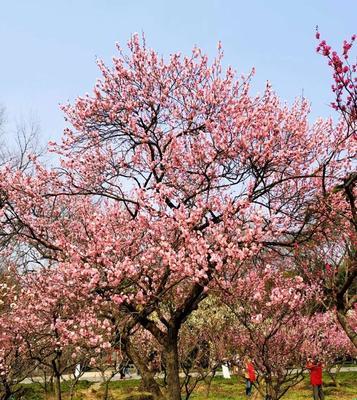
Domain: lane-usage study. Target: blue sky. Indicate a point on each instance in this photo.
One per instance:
(48, 47)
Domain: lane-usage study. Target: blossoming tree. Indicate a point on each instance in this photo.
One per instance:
(171, 176)
(56, 329)
(330, 256)
(272, 312)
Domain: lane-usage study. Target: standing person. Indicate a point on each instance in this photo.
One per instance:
(225, 370)
(249, 376)
(316, 379)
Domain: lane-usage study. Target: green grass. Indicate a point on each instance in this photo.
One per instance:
(221, 389)
(234, 389)
(34, 391)
(125, 384)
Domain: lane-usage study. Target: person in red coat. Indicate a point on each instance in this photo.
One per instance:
(249, 376)
(316, 379)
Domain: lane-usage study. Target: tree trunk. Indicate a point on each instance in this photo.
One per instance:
(7, 391)
(334, 375)
(58, 387)
(148, 377)
(270, 392)
(106, 390)
(208, 382)
(50, 387)
(347, 328)
(172, 366)
(57, 377)
(71, 392)
(72, 389)
(6, 396)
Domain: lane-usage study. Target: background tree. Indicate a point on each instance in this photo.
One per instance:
(203, 344)
(327, 342)
(54, 325)
(272, 313)
(15, 363)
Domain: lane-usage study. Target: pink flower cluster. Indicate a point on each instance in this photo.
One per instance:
(344, 75)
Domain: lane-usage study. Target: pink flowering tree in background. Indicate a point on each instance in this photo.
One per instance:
(326, 341)
(171, 177)
(272, 312)
(15, 363)
(57, 330)
(204, 344)
(330, 262)
(109, 362)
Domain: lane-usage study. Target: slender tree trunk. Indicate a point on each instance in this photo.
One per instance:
(172, 366)
(58, 387)
(148, 377)
(57, 377)
(73, 385)
(208, 382)
(334, 375)
(106, 390)
(71, 392)
(50, 387)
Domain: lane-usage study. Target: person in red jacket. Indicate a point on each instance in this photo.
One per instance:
(249, 376)
(316, 379)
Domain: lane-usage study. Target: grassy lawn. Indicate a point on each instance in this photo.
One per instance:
(35, 391)
(234, 389)
(221, 389)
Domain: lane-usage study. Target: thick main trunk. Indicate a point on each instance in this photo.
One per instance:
(347, 328)
(270, 392)
(172, 367)
(6, 395)
(148, 377)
